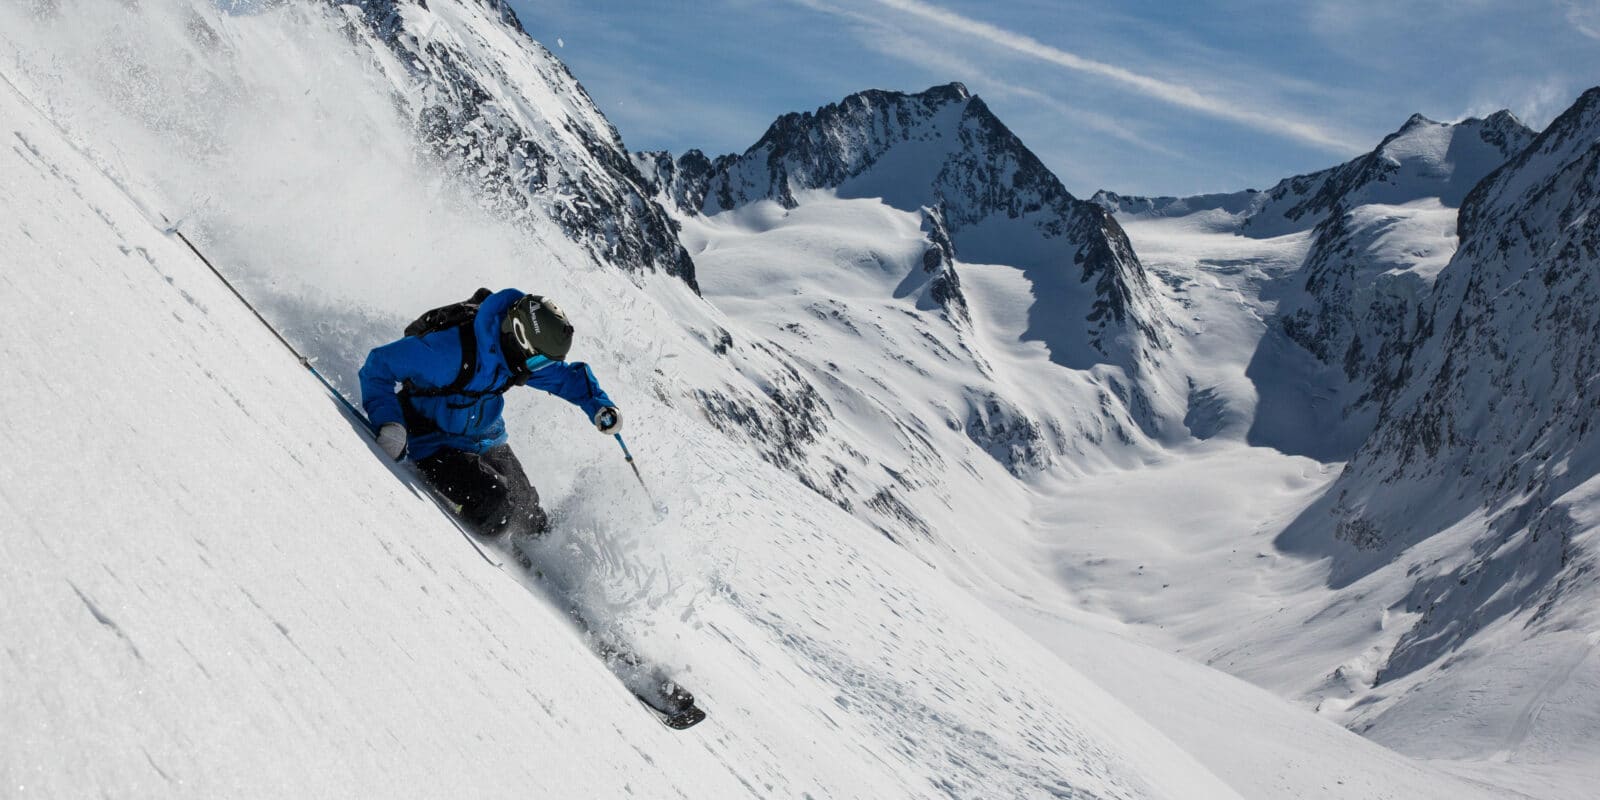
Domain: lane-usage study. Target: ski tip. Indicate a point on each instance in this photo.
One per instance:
(683, 720)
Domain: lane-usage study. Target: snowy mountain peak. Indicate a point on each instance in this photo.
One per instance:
(909, 109)
(1414, 121)
(917, 148)
(955, 90)
(1568, 138)
(942, 149)
(1423, 158)
(840, 142)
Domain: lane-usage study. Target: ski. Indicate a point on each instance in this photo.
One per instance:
(666, 700)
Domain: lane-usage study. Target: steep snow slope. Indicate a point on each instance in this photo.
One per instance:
(214, 586)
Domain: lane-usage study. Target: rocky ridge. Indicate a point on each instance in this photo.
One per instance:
(507, 115)
(943, 151)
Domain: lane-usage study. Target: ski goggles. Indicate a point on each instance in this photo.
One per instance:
(538, 362)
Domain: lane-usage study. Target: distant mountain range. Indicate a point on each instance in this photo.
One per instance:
(1422, 159)
(1448, 302)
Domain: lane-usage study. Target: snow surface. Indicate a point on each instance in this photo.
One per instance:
(215, 586)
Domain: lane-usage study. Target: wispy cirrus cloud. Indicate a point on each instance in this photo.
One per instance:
(1584, 16)
(894, 42)
(1277, 122)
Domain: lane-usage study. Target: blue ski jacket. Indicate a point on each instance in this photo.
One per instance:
(469, 421)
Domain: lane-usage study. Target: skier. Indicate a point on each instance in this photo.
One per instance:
(452, 368)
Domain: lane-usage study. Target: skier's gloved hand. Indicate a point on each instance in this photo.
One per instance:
(608, 420)
(392, 440)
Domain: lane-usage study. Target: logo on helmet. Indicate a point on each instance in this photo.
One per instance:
(522, 334)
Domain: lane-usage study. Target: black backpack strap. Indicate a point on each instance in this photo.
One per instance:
(469, 365)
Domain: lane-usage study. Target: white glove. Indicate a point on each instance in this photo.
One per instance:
(392, 440)
(608, 420)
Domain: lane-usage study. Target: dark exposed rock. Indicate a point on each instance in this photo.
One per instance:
(1006, 433)
(939, 262)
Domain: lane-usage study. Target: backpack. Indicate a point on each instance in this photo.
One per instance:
(450, 316)
(456, 315)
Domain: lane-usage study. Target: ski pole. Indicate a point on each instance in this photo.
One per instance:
(628, 454)
(304, 361)
(366, 424)
(660, 507)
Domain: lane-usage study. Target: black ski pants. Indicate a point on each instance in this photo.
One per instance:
(494, 493)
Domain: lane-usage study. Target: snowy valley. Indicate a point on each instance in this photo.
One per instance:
(973, 487)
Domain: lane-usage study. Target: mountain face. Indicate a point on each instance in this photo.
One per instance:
(975, 194)
(943, 151)
(861, 219)
(1387, 228)
(1368, 275)
(1484, 466)
(1378, 229)
(504, 112)
(1503, 361)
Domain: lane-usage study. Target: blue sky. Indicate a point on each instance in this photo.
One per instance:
(1140, 96)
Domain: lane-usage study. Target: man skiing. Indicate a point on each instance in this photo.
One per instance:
(452, 368)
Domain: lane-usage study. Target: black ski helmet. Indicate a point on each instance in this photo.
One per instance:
(534, 326)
